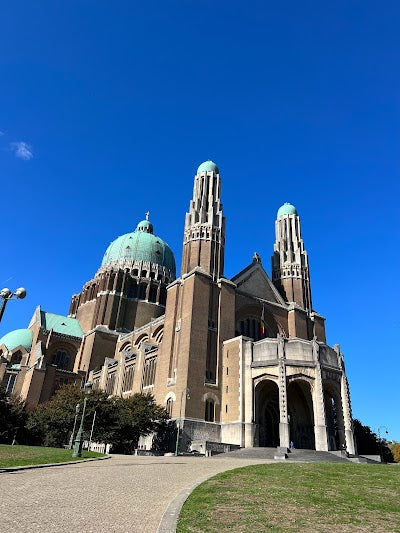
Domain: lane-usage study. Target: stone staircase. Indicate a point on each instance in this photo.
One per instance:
(296, 455)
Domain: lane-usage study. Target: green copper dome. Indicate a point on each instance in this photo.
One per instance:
(286, 209)
(18, 337)
(140, 245)
(208, 166)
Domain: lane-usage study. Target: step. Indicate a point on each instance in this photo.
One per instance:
(294, 455)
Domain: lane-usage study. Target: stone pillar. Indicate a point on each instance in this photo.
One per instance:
(346, 404)
(284, 431)
(158, 293)
(248, 396)
(119, 320)
(120, 376)
(320, 430)
(148, 290)
(347, 418)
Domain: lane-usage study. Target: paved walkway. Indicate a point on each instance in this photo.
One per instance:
(121, 494)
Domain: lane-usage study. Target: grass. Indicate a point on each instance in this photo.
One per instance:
(37, 455)
(296, 497)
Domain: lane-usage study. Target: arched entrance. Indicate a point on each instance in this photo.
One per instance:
(267, 413)
(300, 409)
(334, 418)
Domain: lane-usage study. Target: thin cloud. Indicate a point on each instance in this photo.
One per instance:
(2, 133)
(22, 150)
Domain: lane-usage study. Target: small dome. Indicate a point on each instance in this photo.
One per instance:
(208, 166)
(146, 226)
(18, 337)
(140, 245)
(286, 209)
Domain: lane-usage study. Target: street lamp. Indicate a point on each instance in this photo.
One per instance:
(78, 445)
(381, 439)
(187, 392)
(91, 431)
(71, 439)
(6, 295)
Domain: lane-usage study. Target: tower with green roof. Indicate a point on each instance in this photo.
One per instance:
(204, 234)
(290, 269)
(200, 304)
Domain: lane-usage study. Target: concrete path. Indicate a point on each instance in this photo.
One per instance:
(121, 494)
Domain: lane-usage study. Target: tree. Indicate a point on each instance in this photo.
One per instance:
(119, 421)
(51, 423)
(395, 449)
(12, 418)
(137, 415)
(368, 442)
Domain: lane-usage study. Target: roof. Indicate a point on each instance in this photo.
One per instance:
(208, 166)
(286, 209)
(255, 282)
(141, 245)
(18, 337)
(61, 324)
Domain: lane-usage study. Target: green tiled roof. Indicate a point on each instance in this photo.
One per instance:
(140, 245)
(18, 337)
(61, 324)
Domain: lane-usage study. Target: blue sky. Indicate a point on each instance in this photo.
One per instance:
(108, 108)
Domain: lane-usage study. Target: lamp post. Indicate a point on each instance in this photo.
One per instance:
(187, 392)
(71, 439)
(78, 445)
(381, 439)
(6, 295)
(91, 431)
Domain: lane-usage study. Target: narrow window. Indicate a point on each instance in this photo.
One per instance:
(169, 406)
(209, 411)
(153, 294)
(142, 291)
(133, 290)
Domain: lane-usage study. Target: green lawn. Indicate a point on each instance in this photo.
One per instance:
(297, 497)
(37, 455)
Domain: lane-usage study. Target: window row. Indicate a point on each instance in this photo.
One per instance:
(143, 291)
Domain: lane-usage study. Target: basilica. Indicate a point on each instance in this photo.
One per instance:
(240, 361)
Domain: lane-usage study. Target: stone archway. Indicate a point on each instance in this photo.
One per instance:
(300, 410)
(267, 414)
(334, 418)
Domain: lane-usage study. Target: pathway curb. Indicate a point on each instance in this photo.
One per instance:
(169, 519)
(31, 467)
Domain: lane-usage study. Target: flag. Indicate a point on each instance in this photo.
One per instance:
(262, 328)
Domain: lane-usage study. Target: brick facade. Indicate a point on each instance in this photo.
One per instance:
(241, 361)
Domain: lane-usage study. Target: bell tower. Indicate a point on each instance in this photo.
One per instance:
(290, 269)
(200, 310)
(204, 235)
